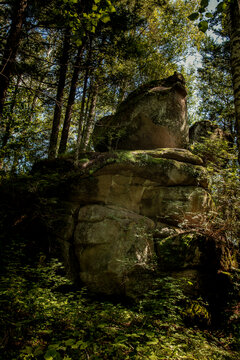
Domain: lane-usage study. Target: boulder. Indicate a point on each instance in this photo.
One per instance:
(153, 116)
(110, 231)
(124, 215)
(127, 217)
(113, 247)
(205, 129)
(149, 183)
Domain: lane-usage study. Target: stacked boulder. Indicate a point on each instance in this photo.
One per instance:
(126, 215)
(153, 116)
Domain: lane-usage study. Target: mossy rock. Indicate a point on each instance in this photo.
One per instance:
(153, 116)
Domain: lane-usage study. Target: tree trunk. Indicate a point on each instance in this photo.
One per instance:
(81, 118)
(234, 22)
(89, 96)
(10, 121)
(10, 51)
(90, 121)
(52, 151)
(71, 99)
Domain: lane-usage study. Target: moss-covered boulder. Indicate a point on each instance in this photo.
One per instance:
(150, 183)
(153, 116)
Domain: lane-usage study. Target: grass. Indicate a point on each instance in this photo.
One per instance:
(44, 317)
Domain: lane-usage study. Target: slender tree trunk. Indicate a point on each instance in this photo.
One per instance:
(89, 96)
(81, 118)
(52, 151)
(90, 121)
(10, 51)
(234, 17)
(33, 103)
(71, 99)
(84, 122)
(32, 99)
(10, 121)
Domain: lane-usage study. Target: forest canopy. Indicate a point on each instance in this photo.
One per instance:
(71, 62)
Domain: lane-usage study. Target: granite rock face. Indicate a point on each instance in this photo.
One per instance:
(153, 116)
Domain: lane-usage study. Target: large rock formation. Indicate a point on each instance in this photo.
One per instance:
(153, 116)
(122, 214)
(125, 216)
(149, 183)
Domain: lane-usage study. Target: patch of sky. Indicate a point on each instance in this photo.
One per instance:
(192, 62)
(194, 57)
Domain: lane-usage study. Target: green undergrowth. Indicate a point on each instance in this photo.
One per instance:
(44, 317)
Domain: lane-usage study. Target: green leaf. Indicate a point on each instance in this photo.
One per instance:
(28, 350)
(153, 357)
(52, 355)
(78, 42)
(112, 9)
(105, 18)
(77, 345)
(152, 342)
(38, 351)
(69, 342)
(224, 6)
(204, 3)
(203, 26)
(202, 10)
(209, 15)
(94, 7)
(54, 346)
(193, 16)
(220, 7)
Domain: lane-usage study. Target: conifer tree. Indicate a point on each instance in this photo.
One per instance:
(18, 14)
